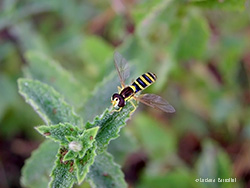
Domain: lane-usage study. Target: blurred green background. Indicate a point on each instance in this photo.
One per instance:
(200, 51)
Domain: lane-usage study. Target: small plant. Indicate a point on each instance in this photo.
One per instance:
(74, 151)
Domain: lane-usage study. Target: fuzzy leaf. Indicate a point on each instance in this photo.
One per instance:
(63, 174)
(109, 126)
(70, 137)
(75, 155)
(83, 164)
(46, 70)
(105, 128)
(87, 138)
(59, 132)
(101, 95)
(70, 155)
(47, 102)
(66, 173)
(35, 173)
(104, 173)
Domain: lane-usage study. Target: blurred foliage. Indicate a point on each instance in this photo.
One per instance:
(199, 49)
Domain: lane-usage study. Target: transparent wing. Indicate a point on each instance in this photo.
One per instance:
(121, 67)
(157, 102)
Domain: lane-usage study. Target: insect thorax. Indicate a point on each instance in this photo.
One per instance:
(127, 92)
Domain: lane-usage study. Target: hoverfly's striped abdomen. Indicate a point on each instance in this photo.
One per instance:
(144, 81)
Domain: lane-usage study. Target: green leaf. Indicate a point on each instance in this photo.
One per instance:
(59, 132)
(13, 13)
(192, 42)
(230, 53)
(35, 173)
(104, 173)
(162, 142)
(29, 37)
(238, 5)
(71, 137)
(121, 153)
(87, 138)
(101, 96)
(96, 51)
(47, 102)
(74, 155)
(70, 155)
(63, 174)
(145, 11)
(223, 108)
(66, 173)
(214, 163)
(104, 129)
(147, 24)
(170, 179)
(83, 164)
(8, 93)
(109, 124)
(48, 71)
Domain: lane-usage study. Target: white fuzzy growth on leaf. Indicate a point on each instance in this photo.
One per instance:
(75, 146)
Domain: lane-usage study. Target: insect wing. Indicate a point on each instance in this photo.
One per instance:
(157, 102)
(121, 67)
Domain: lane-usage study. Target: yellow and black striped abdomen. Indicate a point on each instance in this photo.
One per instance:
(143, 81)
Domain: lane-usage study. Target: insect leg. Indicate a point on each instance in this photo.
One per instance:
(133, 106)
(116, 110)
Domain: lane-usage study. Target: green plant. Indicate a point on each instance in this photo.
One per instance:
(199, 50)
(81, 153)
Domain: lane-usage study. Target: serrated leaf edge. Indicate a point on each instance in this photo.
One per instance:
(44, 117)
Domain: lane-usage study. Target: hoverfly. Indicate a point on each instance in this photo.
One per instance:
(126, 93)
